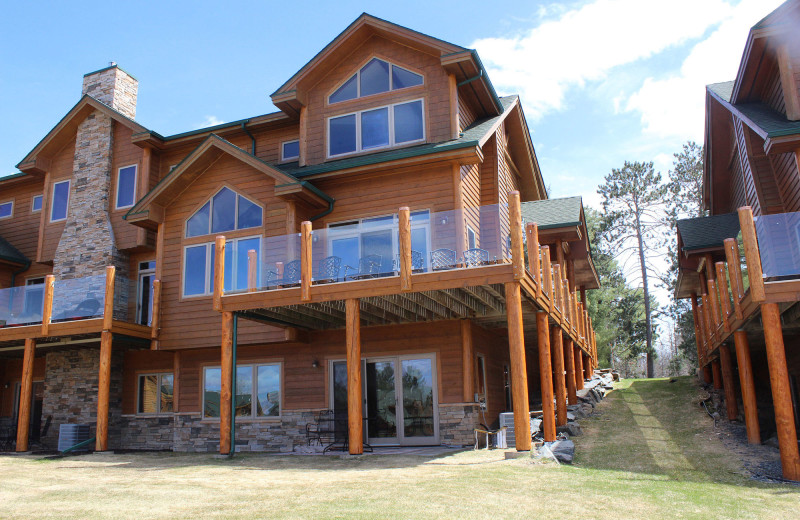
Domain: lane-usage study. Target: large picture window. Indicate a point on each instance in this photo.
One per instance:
(225, 211)
(126, 187)
(258, 391)
(198, 266)
(376, 128)
(375, 77)
(58, 209)
(155, 394)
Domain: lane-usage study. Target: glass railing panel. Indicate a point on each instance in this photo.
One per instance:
(779, 245)
(124, 304)
(21, 305)
(469, 237)
(278, 263)
(743, 264)
(78, 298)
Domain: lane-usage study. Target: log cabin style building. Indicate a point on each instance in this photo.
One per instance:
(740, 264)
(382, 247)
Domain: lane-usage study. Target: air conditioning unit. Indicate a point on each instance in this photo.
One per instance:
(71, 434)
(507, 420)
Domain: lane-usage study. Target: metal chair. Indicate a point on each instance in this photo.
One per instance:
(272, 280)
(476, 257)
(443, 258)
(417, 262)
(328, 270)
(368, 267)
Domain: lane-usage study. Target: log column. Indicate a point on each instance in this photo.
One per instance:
(587, 368)
(354, 398)
(557, 348)
(226, 374)
(578, 368)
(727, 382)
(26, 388)
(519, 371)
(103, 391)
(716, 374)
(707, 376)
(748, 387)
(545, 377)
(569, 359)
(781, 393)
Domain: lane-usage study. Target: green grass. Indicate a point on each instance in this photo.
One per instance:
(650, 453)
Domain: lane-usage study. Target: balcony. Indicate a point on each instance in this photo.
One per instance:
(78, 308)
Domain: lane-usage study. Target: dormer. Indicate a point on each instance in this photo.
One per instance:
(380, 86)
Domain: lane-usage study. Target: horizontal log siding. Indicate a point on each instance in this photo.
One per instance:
(785, 167)
(22, 229)
(738, 195)
(466, 116)
(435, 93)
(192, 322)
(749, 184)
(60, 169)
(124, 153)
(773, 92)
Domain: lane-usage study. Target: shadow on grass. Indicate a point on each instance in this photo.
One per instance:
(652, 427)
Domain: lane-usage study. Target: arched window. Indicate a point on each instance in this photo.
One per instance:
(373, 78)
(225, 211)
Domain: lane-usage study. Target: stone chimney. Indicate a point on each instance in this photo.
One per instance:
(87, 243)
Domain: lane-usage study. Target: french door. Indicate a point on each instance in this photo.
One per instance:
(400, 399)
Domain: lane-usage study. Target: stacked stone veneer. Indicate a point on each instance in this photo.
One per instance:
(457, 423)
(70, 392)
(87, 243)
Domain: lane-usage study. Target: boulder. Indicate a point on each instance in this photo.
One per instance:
(573, 429)
(564, 451)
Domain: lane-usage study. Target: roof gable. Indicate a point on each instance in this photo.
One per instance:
(702, 233)
(148, 212)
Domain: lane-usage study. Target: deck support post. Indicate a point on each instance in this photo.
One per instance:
(103, 391)
(569, 360)
(587, 368)
(781, 391)
(226, 375)
(26, 388)
(748, 387)
(519, 369)
(354, 398)
(578, 367)
(708, 378)
(727, 382)
(557, 348)
(468, 361)
(695, 319)
(716, 374)
(545, 377)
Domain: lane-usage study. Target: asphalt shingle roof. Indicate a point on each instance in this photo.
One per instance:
(553, 213)
(10, 253)
(773, 123)
(705, 232)
(723, 90)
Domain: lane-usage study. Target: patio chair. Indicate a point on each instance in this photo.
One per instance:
(291, 274)
(328, 270)
(443, 258)
(368, 267)
(476, 257)
(417, 262)
(272, 280)
(88, 308)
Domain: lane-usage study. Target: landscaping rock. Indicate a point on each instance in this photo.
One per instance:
(573, 429)
(564, 451)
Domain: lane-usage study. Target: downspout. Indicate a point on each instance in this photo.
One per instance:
(321, 194)
(233, 386)
(244, 127)
(21, 270)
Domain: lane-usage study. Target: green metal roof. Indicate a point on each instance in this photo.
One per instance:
(553, 213)
(471, 136)
(706, 232)
(10, 253)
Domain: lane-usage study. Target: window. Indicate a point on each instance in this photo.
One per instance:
(258, 391)
(144, 298)
(36, 204)
(481, 369)
(226, 211)
(34, 297)
(290, 150)
(471, 238)
(155, 393)
(375, 77)
(198, 266)
(376, 128)
(378, 236)
(58, 211)
(6, 209)
(126, 186)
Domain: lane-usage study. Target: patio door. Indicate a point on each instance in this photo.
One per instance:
(400, 400)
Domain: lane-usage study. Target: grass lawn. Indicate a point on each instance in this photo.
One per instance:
(650, 453)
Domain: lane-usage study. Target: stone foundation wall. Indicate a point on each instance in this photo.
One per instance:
(457, 422)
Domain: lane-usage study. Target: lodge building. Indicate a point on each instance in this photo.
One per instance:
(382, 246)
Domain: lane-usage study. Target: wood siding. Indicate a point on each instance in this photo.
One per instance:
(60, 169)
(124, 153)
(22, 229)
(785, 167)
(749, 184)
(466, 116)
(10, 375)
(773, 92)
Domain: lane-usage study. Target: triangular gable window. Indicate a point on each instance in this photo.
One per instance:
(226, 211)
(375, 77)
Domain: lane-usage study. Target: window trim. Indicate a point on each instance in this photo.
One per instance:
(357, 75)
(229, 242)
(135, 167)
(53, 199)
(254, 366)
(10, 215)
(285, 158)
(33, 198)
(159, 375)
(390, 122)
(480, 372)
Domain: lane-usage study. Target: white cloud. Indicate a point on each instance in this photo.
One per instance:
(210, 121)
(674, 106)
(584, 44)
